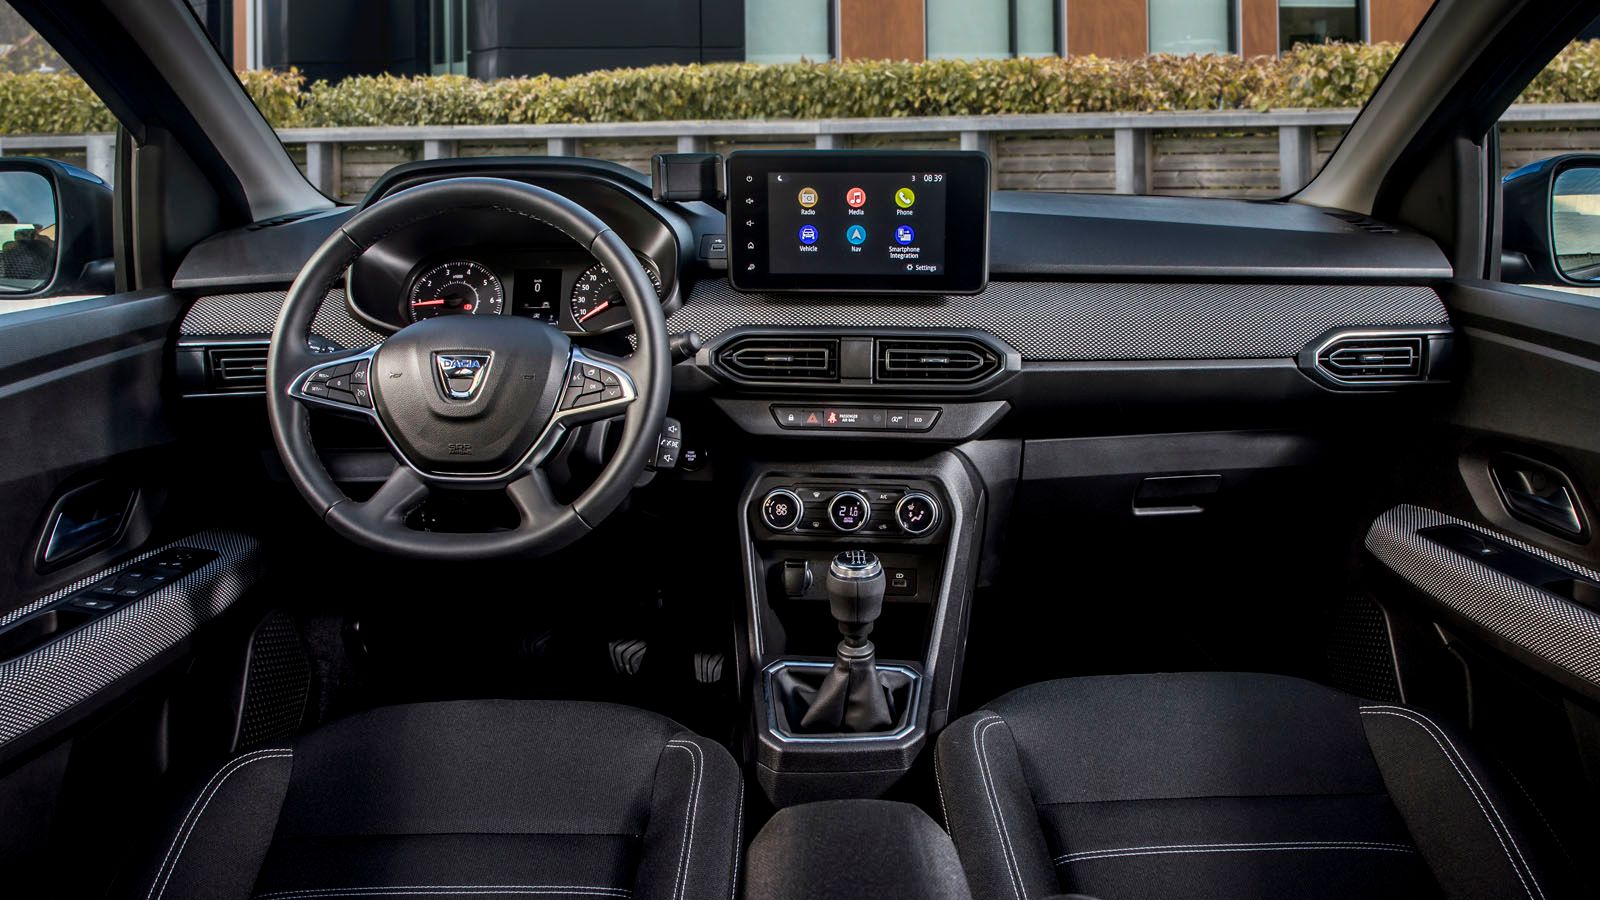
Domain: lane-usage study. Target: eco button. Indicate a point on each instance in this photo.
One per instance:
(904, 197)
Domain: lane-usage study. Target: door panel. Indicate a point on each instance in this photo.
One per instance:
(82, 395)
(1488, 568)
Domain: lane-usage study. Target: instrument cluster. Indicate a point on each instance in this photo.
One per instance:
(568, 289)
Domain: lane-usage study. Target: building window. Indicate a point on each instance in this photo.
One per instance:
(447, 24)
(992, 29)
(1193, 26)
(777, 31)
(1318, 22)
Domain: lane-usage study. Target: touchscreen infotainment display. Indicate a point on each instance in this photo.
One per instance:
(870, 222)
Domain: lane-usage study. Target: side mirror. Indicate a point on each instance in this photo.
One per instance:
(55, 230)
(1552, 221)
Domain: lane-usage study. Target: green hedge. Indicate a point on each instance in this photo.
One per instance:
(1338, 75)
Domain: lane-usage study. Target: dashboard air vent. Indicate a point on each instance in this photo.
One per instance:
(1365, 223)
(1356, 360)
(941, 361)
(237, 368)
(783, 359)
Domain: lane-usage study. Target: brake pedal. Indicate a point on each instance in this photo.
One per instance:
(627, 657)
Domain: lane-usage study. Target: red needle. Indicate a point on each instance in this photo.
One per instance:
(439, 302)
(604, 305)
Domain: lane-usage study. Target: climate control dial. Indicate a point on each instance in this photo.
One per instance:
(849, 511)
(917, 513)
(782, 509)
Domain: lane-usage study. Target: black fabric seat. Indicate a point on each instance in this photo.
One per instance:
(1231, 786)
(483, 798)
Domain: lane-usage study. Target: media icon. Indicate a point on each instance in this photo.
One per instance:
(808, 234)
(856, 235)
(855, 197)
(808, 197)
(904, 197)
(904, 235)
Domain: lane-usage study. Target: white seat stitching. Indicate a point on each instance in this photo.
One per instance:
(1409, 716)
(690, 813)
(1239, 847)
(186, 827)
(980, 748)
(938, 782)
(738, 842)
(1487, 798)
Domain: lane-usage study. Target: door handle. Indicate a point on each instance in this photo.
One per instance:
(1538, 494)
(84, 520)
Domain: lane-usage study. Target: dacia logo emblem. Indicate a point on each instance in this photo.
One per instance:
(461, 373)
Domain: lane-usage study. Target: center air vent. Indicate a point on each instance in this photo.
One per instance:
(941, 361)
(237, 368)
(1373, 359)
(782, 359)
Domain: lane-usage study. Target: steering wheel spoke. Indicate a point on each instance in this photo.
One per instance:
(536, 503)
(400, 493)
(337, 381)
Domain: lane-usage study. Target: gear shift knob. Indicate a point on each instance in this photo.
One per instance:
(855, 593)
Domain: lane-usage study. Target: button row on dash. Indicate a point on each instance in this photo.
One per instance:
(854, 418)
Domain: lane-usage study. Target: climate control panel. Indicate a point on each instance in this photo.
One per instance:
(897, 511)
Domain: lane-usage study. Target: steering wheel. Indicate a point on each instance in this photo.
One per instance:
(469, 402)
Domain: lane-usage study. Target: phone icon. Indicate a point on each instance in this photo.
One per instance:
(904, 197)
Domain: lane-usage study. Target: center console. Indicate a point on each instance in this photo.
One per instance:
(858, 580)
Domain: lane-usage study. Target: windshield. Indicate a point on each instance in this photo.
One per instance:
(1199, 98)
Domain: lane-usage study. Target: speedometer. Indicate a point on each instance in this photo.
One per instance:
(455, 288)
(597, 302)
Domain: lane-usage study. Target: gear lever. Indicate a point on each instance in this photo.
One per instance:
(852, 698)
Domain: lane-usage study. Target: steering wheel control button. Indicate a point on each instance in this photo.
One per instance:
(849, 511)
(669, 446)
(917, 513)
(782, 509)
(316, 388)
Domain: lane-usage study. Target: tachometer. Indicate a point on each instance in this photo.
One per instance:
(455, 288)
(596, 299)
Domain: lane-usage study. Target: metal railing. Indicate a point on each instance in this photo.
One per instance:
(1131, 136)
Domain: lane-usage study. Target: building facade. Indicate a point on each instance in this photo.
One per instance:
(500, 38)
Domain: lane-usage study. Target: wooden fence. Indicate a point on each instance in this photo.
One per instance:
(1224, 153)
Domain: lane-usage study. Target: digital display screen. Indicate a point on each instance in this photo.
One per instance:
(869, 224)
(536, 293)
(859, 221)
